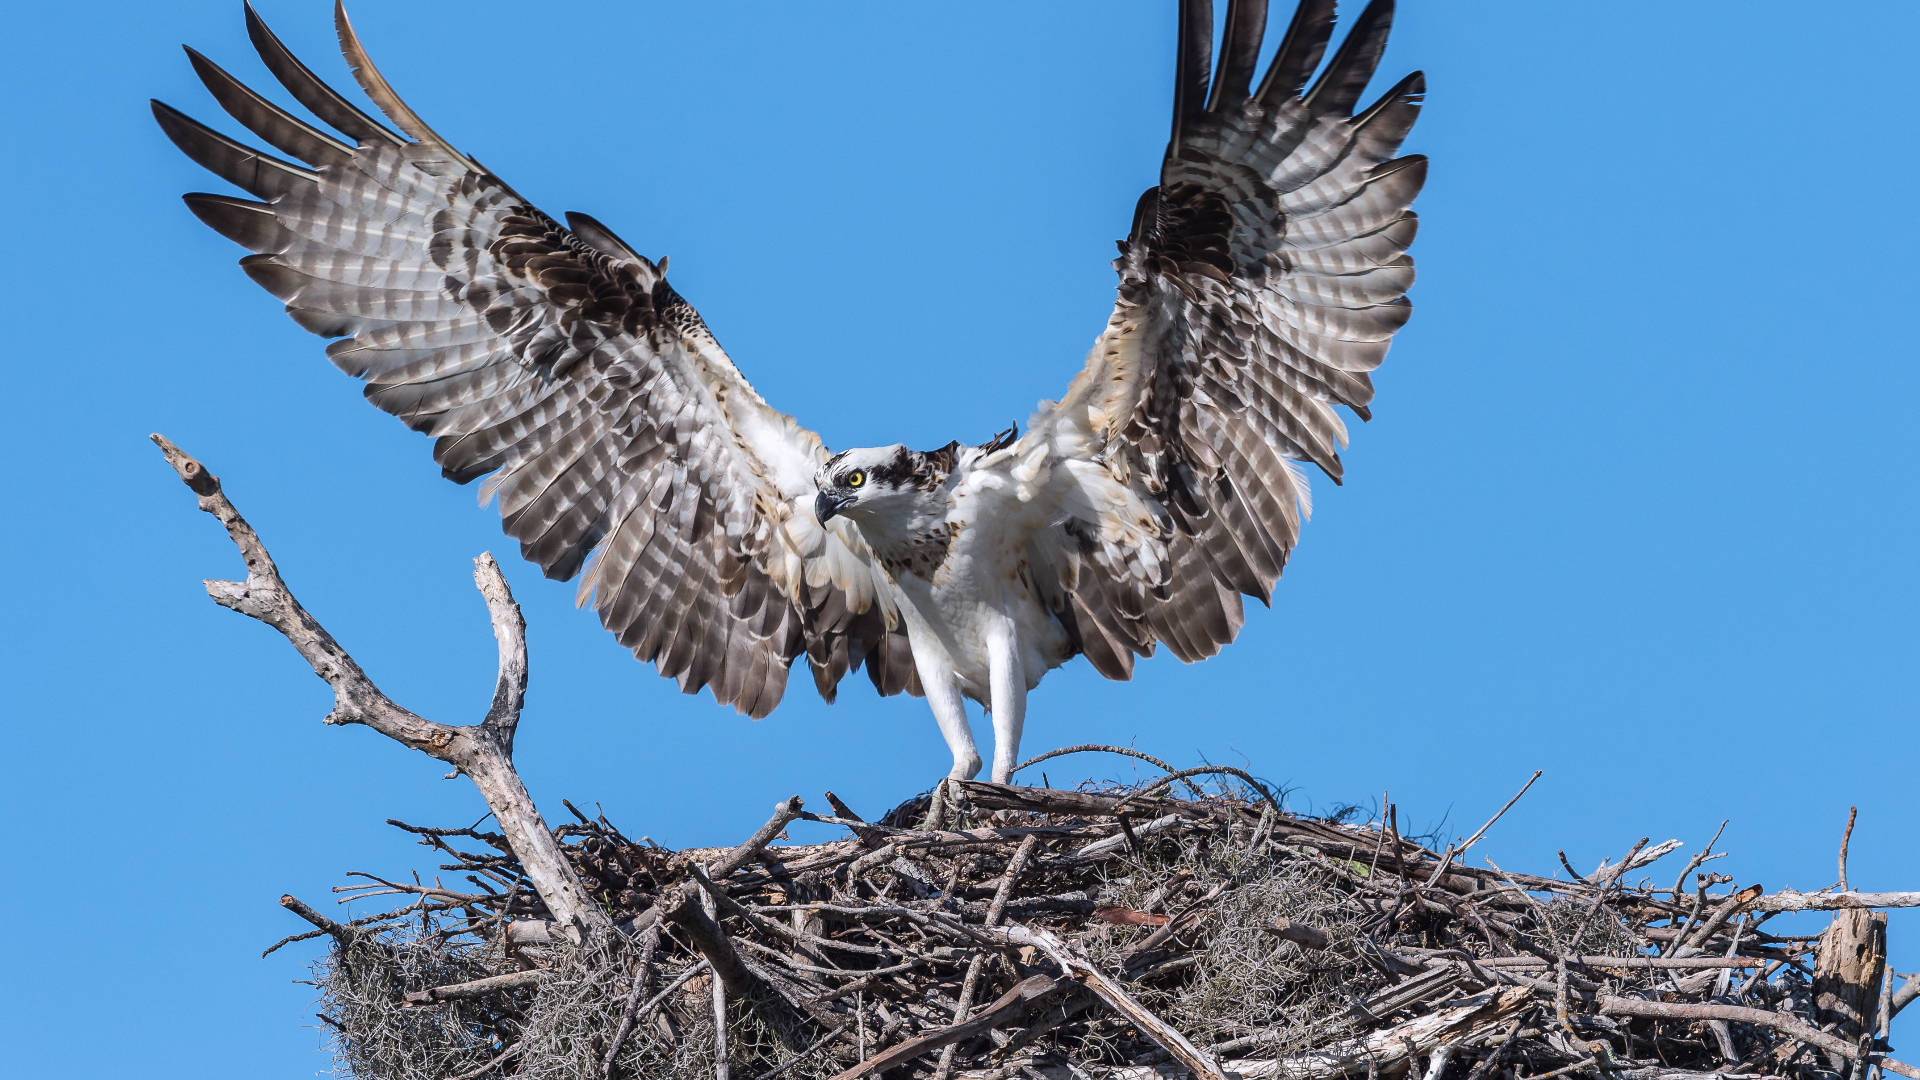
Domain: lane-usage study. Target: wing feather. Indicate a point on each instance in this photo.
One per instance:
(1260, 285)
(621, 438)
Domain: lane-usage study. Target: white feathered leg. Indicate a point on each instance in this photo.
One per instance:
(950, 712)
(1009, 693)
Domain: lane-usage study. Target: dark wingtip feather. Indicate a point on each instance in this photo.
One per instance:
(258, 174)
(1300, 50)
(1239, 52)
(265, 119)
(310, 90)
(1347, 74)
(270, 274)
(1194, 67)
(250, 224)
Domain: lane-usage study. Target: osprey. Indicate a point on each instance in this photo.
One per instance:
(717, 538)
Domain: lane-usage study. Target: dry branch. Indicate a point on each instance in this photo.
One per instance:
(483, 751)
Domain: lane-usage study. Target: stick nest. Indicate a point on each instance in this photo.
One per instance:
(1111, 931)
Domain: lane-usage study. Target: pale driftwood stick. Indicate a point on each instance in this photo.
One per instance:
(513, 980)
(1789, 900)
(1883, 1018)
(1107, 845)
(1088, 974)
(1780, 1022)
(1641, 856)
(482, 751)
(1382, 1052)
(510, 632)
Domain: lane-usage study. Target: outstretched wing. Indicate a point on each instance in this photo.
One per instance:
(1261, 284)
(562, 363)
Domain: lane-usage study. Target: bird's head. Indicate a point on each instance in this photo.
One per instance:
(860, 483)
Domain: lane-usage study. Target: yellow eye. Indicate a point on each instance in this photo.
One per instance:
(856, 478)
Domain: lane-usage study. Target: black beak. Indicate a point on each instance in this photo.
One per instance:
(827, 505)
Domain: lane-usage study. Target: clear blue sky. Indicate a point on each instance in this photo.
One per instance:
(1637, 507)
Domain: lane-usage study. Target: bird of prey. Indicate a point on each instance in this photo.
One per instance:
(1260, 284)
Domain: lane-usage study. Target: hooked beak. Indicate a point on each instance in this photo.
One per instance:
(827, 505)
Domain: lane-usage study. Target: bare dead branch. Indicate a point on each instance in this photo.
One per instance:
(482, 751)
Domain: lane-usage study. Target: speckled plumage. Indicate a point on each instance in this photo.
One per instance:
(1259, 287)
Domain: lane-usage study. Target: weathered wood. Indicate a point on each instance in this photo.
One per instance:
(1849, 967)
(1381, 1053)
(1789, 900)
(495, 984)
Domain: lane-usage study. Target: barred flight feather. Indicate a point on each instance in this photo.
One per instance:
(1260, 284)
(557, 360)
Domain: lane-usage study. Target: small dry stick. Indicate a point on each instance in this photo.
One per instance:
(642, 973)
(1453, 853)
(1852, 812)
(338, 932)
(1695, 862)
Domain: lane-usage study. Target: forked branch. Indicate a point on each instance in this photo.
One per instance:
(483, 751)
